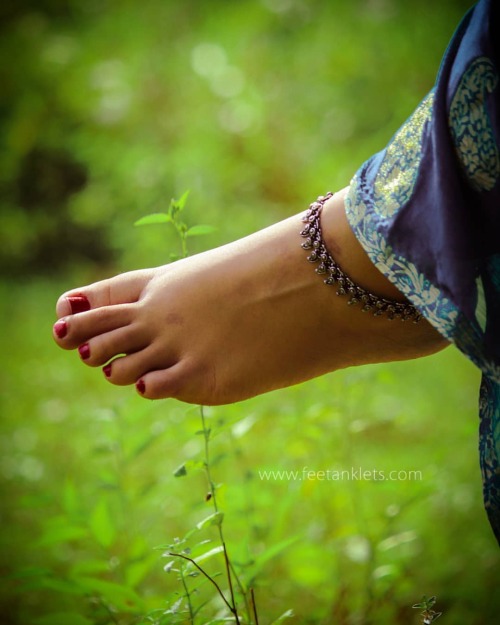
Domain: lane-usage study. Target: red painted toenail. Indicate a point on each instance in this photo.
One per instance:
(84, 351)
(107, 370)
(140, 386)
(61, 328)
(79, 304)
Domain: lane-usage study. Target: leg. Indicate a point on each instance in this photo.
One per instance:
(240, 320)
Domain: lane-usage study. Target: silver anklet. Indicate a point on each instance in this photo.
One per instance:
(370, 302)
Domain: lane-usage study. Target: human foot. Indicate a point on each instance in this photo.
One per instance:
(237, 321)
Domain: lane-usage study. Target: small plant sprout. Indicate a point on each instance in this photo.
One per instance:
(189, 566)
(428, 614)
(172, 216)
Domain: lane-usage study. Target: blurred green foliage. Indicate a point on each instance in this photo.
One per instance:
(108, 110)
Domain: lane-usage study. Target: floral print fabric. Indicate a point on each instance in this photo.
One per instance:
(427, 211)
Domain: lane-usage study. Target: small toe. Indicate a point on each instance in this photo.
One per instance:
(126, 370)
(102, 348)
(162, 383)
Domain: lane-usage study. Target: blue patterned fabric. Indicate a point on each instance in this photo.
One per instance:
(427, 211)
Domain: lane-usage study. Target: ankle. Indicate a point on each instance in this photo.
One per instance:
(348, 252)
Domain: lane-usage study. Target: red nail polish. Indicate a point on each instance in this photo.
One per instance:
(107, 370)
(78, 303)
(140, 386)
(61, 328)
(84, 351)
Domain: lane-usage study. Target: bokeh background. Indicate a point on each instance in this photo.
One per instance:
(108, 110)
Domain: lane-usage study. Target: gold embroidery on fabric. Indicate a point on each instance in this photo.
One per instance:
(471, 128)
(392, 189)
(438, 310)
(396, 177)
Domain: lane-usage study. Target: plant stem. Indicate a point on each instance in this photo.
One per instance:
(206, 437)
(181, 229)
(188, 596)
(254, 607)
(212, 490)
(230, 581)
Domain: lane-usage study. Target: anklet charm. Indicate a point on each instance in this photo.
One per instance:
(335, 276)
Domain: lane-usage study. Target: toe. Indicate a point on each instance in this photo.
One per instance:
(126, 370)
(100, 349)
(123, 289)
(72, 331)
(162, 383)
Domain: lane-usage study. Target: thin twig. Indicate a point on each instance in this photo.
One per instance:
(206, 436)
(243, 592)
(181, 229)
(254, 607)
(211, 579)
(231, 592)
(188, 597)
(212, 489)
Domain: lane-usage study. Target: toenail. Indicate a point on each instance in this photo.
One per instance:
(107, 370)
(78, 303)
(84, 351)
(61, 328)
(140, 386)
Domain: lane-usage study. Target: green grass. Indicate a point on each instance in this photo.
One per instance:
(89, 490)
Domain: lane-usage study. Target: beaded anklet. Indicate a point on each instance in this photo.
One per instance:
(370, 302)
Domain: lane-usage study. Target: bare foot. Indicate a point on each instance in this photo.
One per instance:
(237, 321)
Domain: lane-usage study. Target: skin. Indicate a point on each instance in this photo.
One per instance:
(240, 320)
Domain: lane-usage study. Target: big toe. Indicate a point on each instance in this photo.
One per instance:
(122, 289)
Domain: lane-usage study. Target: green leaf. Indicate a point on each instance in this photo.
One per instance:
(212, 519)
(285, 615)
(175, 607)
(137, 571)
(180, 471)
(61, 534)
(102, 525)
(181, 202)
(268, 554)
(199, 230)
(426, 604)
(209, 554)
(186, 466)
(205, 432)
(154, 218)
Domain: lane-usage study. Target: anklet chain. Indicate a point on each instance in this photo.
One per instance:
(370, 302)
